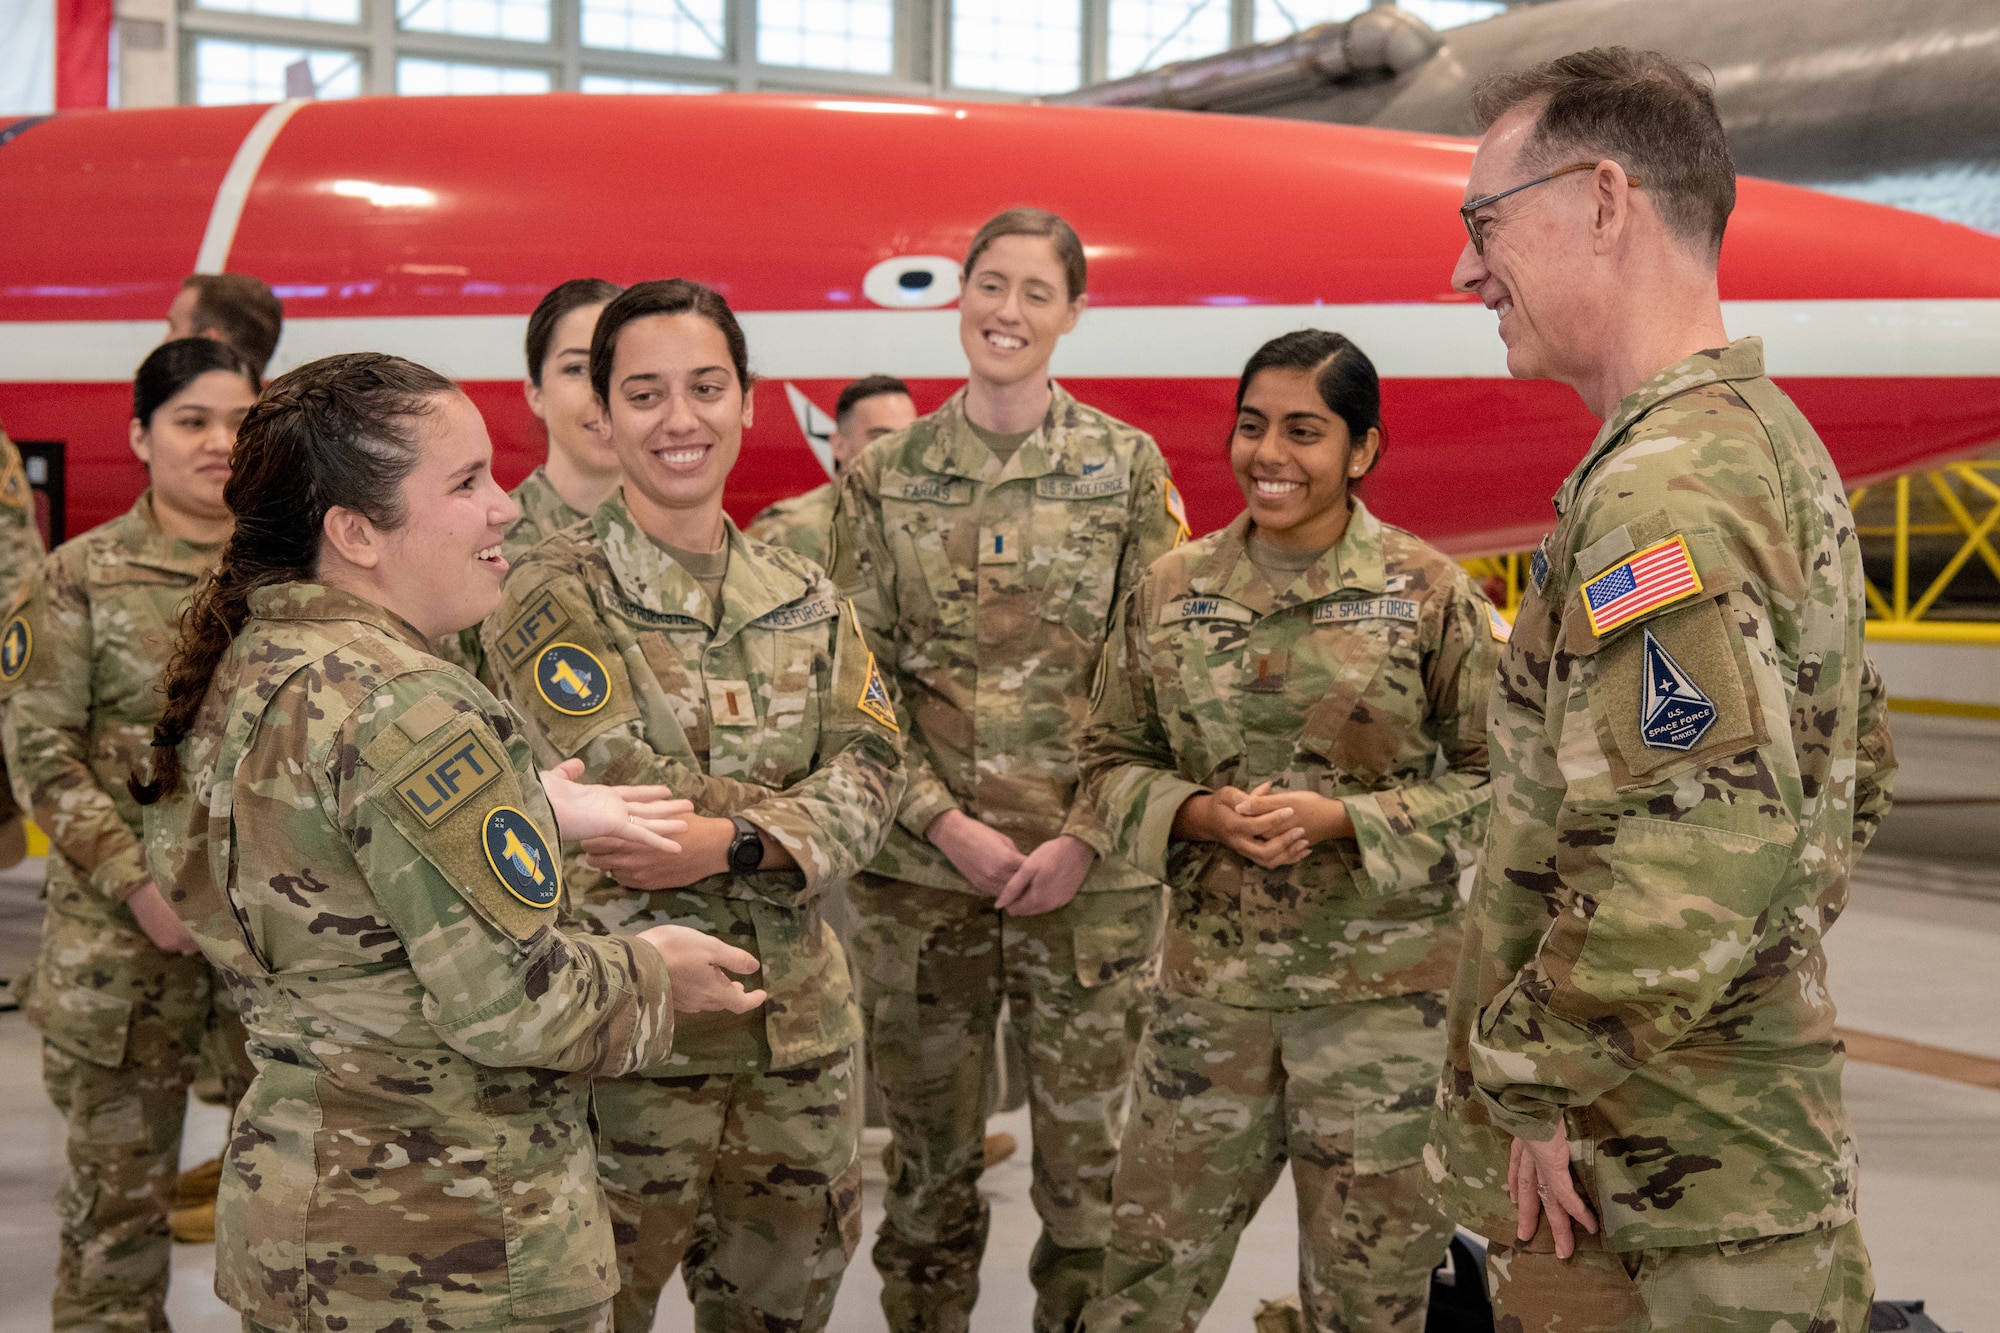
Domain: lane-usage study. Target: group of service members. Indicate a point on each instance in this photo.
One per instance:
(480, 809)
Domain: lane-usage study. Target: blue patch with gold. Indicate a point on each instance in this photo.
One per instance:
(521, 858)
(571, 680)
(17, 645)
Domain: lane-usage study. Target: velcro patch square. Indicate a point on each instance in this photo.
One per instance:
(531, 629)
(447, 778)
(1658, 576)
(731, 704)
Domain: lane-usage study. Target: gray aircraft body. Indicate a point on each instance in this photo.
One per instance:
(1896, 101)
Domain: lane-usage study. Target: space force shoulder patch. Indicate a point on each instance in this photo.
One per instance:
(520, 857)
(874, 700)
(1644, 581)
(1674, 713)
(571, 680)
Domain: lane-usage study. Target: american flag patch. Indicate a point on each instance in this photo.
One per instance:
(1658, 576)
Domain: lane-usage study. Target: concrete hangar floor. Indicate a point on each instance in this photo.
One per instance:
(1913, 968)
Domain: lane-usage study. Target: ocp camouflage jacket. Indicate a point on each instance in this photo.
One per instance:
(365, 854)
(1366, 680)
(1689, 752)
(756, 710)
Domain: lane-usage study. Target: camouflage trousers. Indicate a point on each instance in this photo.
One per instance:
(122, 1028)
(1815, 1282)
(1222, 1098)
(749, 1183)
(933, 967)
(594, 1319)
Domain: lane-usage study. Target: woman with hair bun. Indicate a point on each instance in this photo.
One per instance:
(1290, 730)
(118, 994)
(354, 833)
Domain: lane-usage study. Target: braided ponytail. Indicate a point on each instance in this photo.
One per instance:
(337, 432)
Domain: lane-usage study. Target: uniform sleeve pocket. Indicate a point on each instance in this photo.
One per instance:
(1674, 693)
(1675, 924)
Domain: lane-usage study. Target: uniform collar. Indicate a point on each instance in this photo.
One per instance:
(1354, 563)
(1060, 446)
(1741, 360)
(652, 580)
(142, 542)
(542, 504)
(301, 600)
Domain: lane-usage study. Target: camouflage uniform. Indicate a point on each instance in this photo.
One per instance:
(738, 1155)
(803, 523)
(20, 553)
(1301, 1010)
(543, 512)
(365, 854)
(1679, 793)
(987, 588)
(122, 1022)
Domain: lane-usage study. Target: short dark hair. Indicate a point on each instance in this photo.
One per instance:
(572, 295)
(868, 386)
(1033, 222)
(670, 296)
(246, 312)
(172, 366)
(1344, 378)
(1646, 112)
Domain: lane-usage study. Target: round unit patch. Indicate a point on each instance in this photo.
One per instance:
(520, 858)
(17, 644)
(571, 680)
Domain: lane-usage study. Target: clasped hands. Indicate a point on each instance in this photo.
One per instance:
(1020, 883)
(1266, 828)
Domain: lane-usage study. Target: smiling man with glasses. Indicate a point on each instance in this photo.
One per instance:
(1641, 1105)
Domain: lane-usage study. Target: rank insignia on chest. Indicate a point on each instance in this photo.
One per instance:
(731, 704)
(571, 680)
(1498, 624)
(520, 857)
(1674, 714)
(1660, 575)
(999, 547)
(874, 700)
(1538, 564)
(17, 645)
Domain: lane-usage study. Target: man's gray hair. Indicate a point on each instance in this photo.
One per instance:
(1644, 111)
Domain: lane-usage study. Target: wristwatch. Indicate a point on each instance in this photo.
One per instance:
(746, 849)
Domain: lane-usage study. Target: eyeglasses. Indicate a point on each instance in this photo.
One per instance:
(1477, 229)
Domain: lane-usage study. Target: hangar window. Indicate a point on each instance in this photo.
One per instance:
(1017, 46)
(1272, 19)
(228, 72)
(515, 20)
(618, 83)
(670, 27)
(1145, 34)
(856, 35)
(323, 11)
(431, 78)
(1442, 14)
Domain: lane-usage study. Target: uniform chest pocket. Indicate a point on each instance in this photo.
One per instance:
(762, 704)
(1360, 687)
(1072, 550)
(1200, 665)
(133, 612)
(919, 538)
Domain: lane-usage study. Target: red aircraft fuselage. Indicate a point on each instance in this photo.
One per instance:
(430, 227)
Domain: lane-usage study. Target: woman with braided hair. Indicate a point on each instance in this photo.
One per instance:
(354, 833)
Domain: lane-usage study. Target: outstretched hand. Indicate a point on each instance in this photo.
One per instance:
(699, 967)
(586, 810)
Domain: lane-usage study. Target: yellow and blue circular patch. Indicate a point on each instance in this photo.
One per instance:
(571, 680)
(521, 858)
(17, 645)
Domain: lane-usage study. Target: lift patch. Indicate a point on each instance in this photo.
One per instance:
(1674, 714)
(571, 680)
(532, 628)
(520, 857)
(449, 778)
(1658, 576)
(17, 645)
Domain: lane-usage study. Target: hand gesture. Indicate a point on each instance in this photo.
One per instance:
(588, 811)
(1048, 877)
(983, 854)
(1321, 818)
(162, 927)
(1270, 839)
(1538, 1178)
(699, 966)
